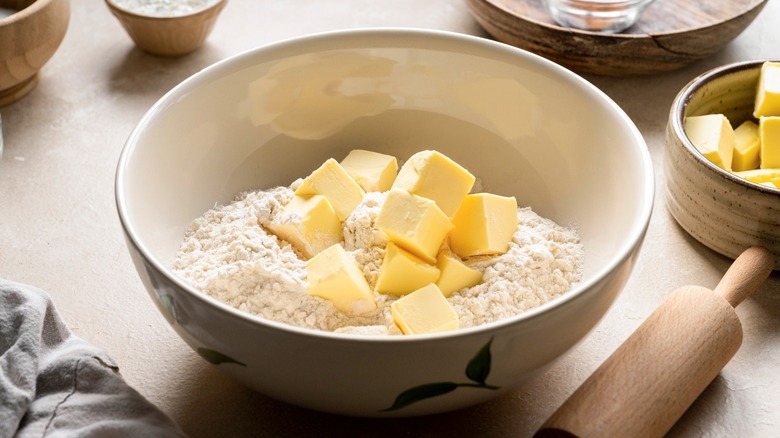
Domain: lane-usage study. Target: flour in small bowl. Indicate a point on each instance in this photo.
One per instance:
(228, 254)
(164, 8)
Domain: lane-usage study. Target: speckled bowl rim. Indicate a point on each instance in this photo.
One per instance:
(218, 5)
(630, 243)
(677, 119)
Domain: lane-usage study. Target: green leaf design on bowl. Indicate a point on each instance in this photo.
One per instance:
(479, 366)
(216, 358)
(421, 392)
(477, 370)
(168, 310)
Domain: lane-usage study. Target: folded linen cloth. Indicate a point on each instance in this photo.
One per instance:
(53, 383)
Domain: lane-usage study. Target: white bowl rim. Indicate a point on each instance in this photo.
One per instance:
(677, 121)
(632, 240)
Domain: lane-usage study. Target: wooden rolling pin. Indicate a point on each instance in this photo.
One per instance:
(646, 385)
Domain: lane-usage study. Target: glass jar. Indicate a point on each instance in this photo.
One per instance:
(608, 16)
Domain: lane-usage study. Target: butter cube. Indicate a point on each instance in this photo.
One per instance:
(333, 182)
(768, 91)
(414, 223)
(402, 272)
(309, 224)
(713, 136)
(769, 133)
(424, 311)
(761, 176)
(374, 172)
(484, 224)
(746, 147)
(455, 275)
(434, 176)
(335, 276)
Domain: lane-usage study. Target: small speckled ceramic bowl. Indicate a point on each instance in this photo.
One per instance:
(721, 210)
(168, 35)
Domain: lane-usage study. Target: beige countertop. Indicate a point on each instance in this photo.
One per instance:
(59, 230)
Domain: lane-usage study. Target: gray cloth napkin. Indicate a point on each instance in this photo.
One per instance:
(54, 384)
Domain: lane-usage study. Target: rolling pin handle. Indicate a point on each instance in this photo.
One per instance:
(745, 275)
(644, 387)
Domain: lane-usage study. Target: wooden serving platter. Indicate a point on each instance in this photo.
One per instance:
(669, 35)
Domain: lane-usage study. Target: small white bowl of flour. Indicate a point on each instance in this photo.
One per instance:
(167, 27)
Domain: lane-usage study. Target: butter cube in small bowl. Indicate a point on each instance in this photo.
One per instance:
(727, 206)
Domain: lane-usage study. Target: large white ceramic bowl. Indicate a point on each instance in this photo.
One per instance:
(522, 124)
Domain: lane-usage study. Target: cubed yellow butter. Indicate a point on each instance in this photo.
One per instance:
(760, 176)
(402, 272)
(768, 91)
(309, 224)
(455, 275)
(484, 225)
(333, 182)
(335, 276)
(432, 175)
(713, 136)
(747, 146)
(425, 310)
(414, 223)
(374, 172)
(769, 133)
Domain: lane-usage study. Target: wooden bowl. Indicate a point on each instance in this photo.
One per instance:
(726, 213)
(669, 35)
(29, 36)
(168, 35)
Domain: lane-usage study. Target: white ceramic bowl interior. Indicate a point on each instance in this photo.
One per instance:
(523, 125)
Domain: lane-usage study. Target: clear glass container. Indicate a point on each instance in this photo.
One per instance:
(608, 16)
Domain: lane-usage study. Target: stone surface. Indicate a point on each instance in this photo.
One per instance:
(59, 231)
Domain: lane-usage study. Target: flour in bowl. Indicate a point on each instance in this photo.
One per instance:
(164, 8)
(229, 254)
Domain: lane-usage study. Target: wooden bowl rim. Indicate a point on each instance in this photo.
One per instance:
(616, 36)
(27, 12)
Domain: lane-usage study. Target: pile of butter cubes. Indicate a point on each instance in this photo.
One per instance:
(752, 150)
(430, 218)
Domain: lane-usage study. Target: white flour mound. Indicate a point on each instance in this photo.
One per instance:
(164, 8)
(229, 255)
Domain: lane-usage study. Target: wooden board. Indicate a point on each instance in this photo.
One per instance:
(669, 35)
